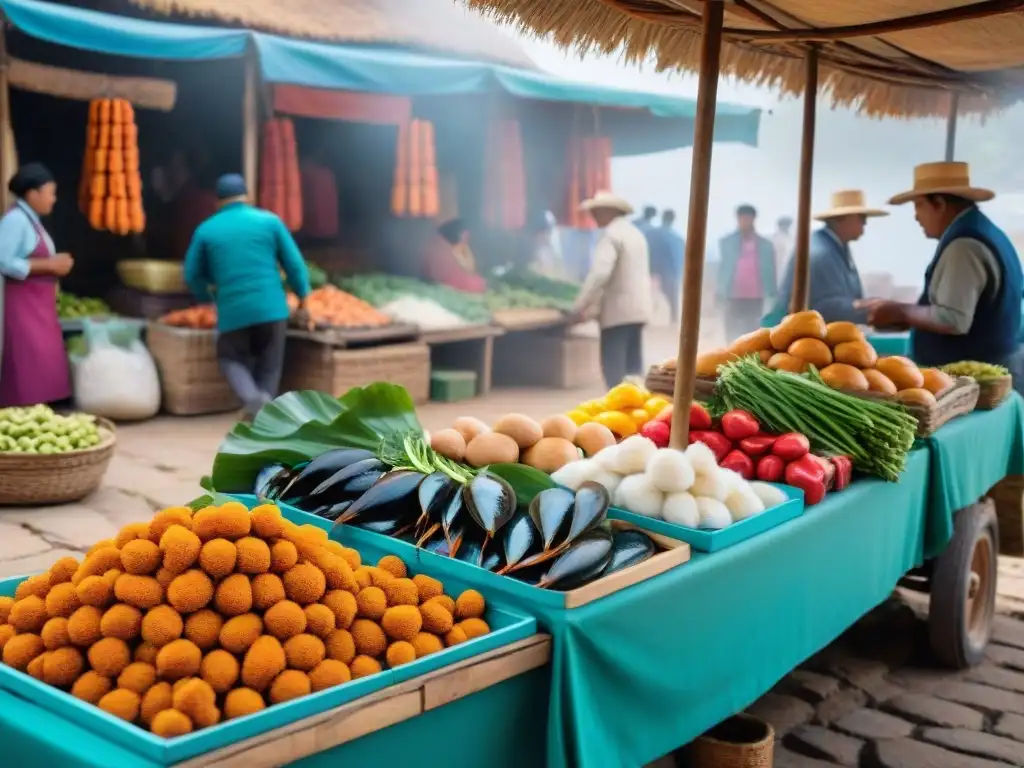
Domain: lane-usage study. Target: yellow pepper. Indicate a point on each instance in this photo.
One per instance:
(639, 416)
(656, 405)
(618, 422)
(579, 417)
(625, 396)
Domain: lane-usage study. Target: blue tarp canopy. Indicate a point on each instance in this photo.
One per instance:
(374, 69)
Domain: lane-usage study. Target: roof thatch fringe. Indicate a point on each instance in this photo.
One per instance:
(870, 74)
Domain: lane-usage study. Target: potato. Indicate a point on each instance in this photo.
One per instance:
(799, 325)
(782, 361)
(491, 448)
(843, 376)
(856, 353)
(879, 382)
(766, 355)
(841, 332)
(752, 343)
(469, 427)
(936, 381)
(549, 454)
(813, 351)
(916, 396)
(708, 362)
(593, 438)
(524, 430)
(449, 443)
(559, 425)
(901, 371)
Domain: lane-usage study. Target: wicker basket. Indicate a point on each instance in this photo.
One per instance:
(1008, 496)
(56, 478)
(309, 365)
(957, 400)
(993, 392)
(569, 362)
(153, 276)
(190, 377)
(663, 382)
(742, 741)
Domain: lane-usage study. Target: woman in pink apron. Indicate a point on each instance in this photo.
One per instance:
(34, 367)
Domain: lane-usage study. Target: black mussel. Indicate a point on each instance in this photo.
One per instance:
(629, 547)
(590, 507)
(394, 527)
(490, 501)
(520, 538)
(360, 484)
(271, 480)
(492, 560)
(581, 562)
(552, 511)
(321, 468)
(435, 493)
(393, 497)
(453, 516)
(470, 547)
(455, 535)
(332, 511)
(438, 546)
(336, 487)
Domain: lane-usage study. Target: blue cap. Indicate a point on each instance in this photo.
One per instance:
(231, 185)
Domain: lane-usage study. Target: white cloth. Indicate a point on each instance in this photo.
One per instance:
(619, 280)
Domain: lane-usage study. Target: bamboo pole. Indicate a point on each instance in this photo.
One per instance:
(954, 108)
(250, 122)
(5, 120)
(802, 262)
(697, 222)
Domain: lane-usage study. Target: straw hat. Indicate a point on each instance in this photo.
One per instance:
(943, 179)
(607, 200)
(848, 202)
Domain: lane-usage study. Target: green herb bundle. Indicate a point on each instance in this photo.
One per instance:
(875, 434)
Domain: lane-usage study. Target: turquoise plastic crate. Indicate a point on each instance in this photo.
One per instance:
(712, 541)
(507, 626)
(452, 386)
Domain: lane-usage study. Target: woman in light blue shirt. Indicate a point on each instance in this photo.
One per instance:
(33, 363)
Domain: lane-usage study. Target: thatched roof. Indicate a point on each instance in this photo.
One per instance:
(897, 67)
(436, 25)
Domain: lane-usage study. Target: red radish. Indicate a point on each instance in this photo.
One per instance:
(657, 432)
(844, 471)
(719, 444)
(740, 463)
(699, 417)
(770, 468)
(757, 445)
(738, 425)
(808, 475)
(828, 469)
(791, 446)
(665, 415)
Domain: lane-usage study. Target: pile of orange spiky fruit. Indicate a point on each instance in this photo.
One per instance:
(191, 619)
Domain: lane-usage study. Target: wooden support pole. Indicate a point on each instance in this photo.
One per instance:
(697, 222)
(954, 108)
(250, 122)
(802, 262)
(6, 136)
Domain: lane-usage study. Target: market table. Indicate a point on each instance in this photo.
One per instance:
(968, 456)
(472, 345)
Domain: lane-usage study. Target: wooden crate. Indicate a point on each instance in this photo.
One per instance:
(191, 383)
(1008, 495)
(470, 347)
(551, 360)
(319, 733)
(325, 368)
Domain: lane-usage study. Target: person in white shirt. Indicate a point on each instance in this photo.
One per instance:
(617, 288)
(782, 240)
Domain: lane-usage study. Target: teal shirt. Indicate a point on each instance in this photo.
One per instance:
(239, 252)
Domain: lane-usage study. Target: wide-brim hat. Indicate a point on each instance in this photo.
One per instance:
(849, 202)
(607, 200)
(943, 179)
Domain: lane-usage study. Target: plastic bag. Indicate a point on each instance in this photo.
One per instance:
(113, 373)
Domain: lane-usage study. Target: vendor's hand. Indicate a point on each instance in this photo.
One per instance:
(61, 264)
(304, 319)
(574, 318)
(867, 303)
(886, 314)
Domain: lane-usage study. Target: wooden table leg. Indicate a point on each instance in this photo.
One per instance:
(486, 364)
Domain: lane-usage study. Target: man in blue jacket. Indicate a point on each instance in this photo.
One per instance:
(970, 308)
(235, 260)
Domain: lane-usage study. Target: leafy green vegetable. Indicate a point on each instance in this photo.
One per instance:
(381, 289)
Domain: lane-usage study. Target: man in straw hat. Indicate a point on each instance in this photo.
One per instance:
(970, 308)
(617, 288)
(835, 282)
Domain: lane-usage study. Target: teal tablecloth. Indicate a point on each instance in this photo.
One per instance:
(890, 343)
(969, 455)
(499, 727)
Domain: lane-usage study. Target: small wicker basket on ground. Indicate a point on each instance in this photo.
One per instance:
(28, 479)
(190, 378)
(993, 392)
(742, 741)
(311, 365)
(663, 381)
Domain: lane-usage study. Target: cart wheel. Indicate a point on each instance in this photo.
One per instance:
(963, 589)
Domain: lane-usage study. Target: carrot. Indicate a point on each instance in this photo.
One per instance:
(130, 136)
(115, 161)
(118, 186)
(96, 208)
(98, 186)
(137, 217)
(103, 137)
(103, 112)
(124, 222)
(400, 189)
(110, 214)
(415, 170)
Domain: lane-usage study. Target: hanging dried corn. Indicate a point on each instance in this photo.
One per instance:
(504, 177)
(280, 181)
(414, 193)
(110, 190)
(588, 171)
